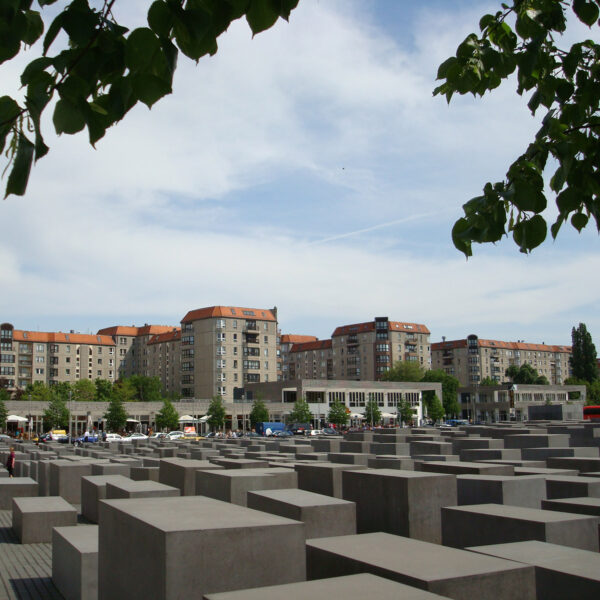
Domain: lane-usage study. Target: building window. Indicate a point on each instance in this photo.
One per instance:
(7, 358)
(39, 347)
(220, 323)
(67, 371)
(235, 350)
(221, 377)
(235, 364)
(251, 364)
(99, 361)
(220, 337)
(187, 353)
(220, 350)
(187, 340)
(221, 363)
(68, 359)
(266, 364)
(221, 390)
(187, 366)
(39, 371)
(266, 338)
(122, 341)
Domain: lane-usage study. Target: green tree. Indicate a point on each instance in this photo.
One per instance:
(592, 390)
(4, 397)
(404, 370)
(436, 409)
(372, 412)
(57, 414)
(583, 361)
(300, 413)
(338, 415)
(449, 390)
(259, 412)
(123, 391)
(103, 390)
(216, 413)
(405, 411)
(147, 389)
(116, 415)
(167, 417)
(488, 381)
(525, 374)
(37, 391)
(84, 391)
(62, 390)
(564, 83)
(99, 69)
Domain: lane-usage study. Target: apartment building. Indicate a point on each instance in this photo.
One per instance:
(286, 342)
(472, 359)
(163, 357)
(224, 347)
(52, 357)
(131, 346)
(365, 351)
(310, 360)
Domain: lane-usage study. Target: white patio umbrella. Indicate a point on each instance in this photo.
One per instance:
(386, 415)
(357, 416)
(15, 419)
(203, 419)
(187, 419)
(132, 420)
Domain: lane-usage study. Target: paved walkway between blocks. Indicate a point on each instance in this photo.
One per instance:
(25, 569)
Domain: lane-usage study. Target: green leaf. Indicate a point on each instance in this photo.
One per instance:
(579, 221)
(459, 239)
(67, 118)
(9, 111)
(52, 32)
(530, 233)
(34, 68)
(35, 27)
(19, 174)
(568, 201)
(261, 15)
(140, 49)
(80, 22)
(160, 18)
(149, 88)
(586, 11)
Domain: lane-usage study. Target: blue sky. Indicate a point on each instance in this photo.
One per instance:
(308, 168)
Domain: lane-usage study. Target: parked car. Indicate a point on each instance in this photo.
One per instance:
(157, 436)
(283, 434)
(58, 435)
(316, 432)
(249, 434)
(86, 438)
(136, 436)
(175, 435)
(114, 437)
(5, 438)
(299, 428)
(329, 431)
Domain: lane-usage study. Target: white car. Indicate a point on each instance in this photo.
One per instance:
(114, 437)
(136, 436)
(316, 432)
(175, 435)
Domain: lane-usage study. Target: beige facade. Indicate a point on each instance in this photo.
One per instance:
(225, 347)
(53, 357)
(471, 360)
(162, 358)
(286, 343)
(361, 352)
(131, 347)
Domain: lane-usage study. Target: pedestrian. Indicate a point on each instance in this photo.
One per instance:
(10, 462)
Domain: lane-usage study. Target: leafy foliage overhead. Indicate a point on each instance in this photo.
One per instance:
(98, 70)
(563, 82)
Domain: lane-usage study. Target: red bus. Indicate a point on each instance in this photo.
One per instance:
(591, 413)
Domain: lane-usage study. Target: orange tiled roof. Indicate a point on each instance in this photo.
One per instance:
(135, 331)
(289, 338)
(316, 345)
(51, 337)
(169, 336)
(370, 326)
(231, 312)
(448, 345)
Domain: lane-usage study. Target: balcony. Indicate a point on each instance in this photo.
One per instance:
(251, 326)
(352, 339)
(252, 338)
(25, 362)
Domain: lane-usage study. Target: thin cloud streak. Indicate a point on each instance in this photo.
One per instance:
(373, 228)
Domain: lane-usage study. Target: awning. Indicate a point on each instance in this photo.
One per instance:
(203, 419)
(132, 420)
(15, 419)
(357, 416)
(187, 419)
(388, 415)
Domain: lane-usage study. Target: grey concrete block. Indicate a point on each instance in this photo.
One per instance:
(323, 478)
(401, 502)
(193, 545)
(430, 447)
(127, 488)
(536, 440)
(464, 468)
(351, 587)
(34, 518)
(560, 572)
(485, 524)
(545, 453)
(181, 473)
(232, 485)
(93, 489)
(239, 463)
(16, 487)
(65, 479)
(477, 454)
(323, 516)
(404, 463)
(580, 463)
(350, 458)
(144, 473)
(446, 571)
(75, 561)
(111, 469)
(501, 489)
(580, 506)
(542, 471)
(572, 487)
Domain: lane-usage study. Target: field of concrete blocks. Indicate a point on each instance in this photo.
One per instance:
(500, 512)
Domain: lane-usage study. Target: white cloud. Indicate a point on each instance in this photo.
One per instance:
(144, 225)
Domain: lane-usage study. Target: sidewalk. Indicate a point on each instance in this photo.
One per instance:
(25, 569)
